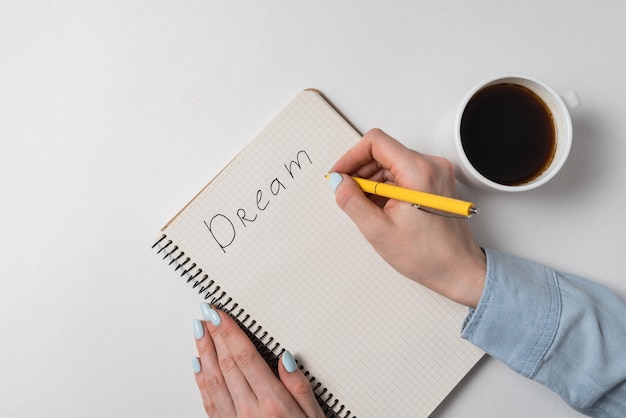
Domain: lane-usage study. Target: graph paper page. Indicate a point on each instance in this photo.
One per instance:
(268, 231)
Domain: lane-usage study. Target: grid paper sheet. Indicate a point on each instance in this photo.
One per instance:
(268, 231)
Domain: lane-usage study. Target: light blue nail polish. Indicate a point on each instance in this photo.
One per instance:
(334, 179)
(198, 329)
(289, 362)
(210, 314)
(195, 363)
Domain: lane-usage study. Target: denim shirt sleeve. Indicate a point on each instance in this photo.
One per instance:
(561, 330)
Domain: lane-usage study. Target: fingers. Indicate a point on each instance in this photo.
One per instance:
(213, 390)
(297, 385)
(239, 358)
(234, 379)
(233, 356)
(368, 217)
(376, 152)
(380, 157)
(361, 154)
(245, 376)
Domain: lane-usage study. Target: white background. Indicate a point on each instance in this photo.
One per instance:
(114, 113)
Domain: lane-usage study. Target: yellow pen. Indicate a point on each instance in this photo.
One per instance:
(419, 199)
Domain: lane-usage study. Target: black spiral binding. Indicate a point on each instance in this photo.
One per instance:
(266, 346)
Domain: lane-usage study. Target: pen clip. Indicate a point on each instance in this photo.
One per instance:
(473, 211)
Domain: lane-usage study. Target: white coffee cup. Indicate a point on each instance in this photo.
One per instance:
(559, 107)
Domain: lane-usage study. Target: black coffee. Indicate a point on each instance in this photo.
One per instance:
(508, 134)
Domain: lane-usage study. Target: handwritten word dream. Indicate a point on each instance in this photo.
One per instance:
(223, 228)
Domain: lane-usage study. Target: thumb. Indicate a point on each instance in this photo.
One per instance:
(368, 217)
(298, 385)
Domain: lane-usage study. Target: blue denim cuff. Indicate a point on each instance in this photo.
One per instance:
(518, 314)
(561, 330)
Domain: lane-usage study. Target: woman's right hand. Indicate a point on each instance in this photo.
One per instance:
(435, 251)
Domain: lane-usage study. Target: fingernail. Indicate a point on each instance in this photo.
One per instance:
(289, 362)
(198, 329)
(334, 179)
(195, 363)
(209, 314)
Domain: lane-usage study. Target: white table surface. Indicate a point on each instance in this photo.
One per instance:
(114, 113)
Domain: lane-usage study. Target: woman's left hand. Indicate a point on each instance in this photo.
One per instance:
(235, 381)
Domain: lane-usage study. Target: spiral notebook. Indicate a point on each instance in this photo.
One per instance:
(266, 242)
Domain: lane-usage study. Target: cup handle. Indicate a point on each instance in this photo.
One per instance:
(571, 99)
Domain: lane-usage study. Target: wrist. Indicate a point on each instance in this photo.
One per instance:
(470, 281)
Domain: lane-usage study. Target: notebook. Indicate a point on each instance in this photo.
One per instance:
(265, 241)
